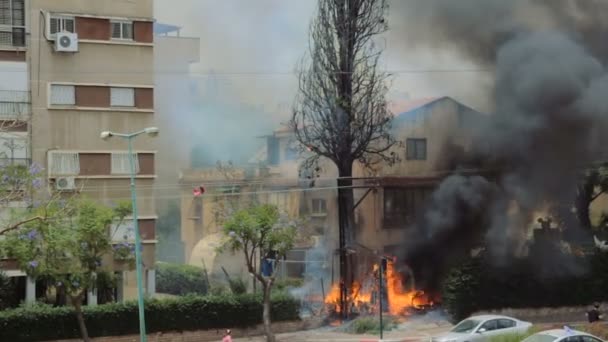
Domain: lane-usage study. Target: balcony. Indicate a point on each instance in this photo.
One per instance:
(14, 105)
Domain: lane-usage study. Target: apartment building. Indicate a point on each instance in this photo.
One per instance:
(271, 177)
(89, 67)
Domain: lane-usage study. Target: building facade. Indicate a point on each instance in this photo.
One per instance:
(387, 197)
(89, 68)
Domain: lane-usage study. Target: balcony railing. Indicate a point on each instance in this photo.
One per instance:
(4, 162)
(14, 104)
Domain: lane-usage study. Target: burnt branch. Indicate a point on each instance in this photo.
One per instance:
(341, 111)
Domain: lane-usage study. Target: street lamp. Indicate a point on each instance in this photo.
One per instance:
(152, 132)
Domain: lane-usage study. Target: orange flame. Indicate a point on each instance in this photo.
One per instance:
(399, 298)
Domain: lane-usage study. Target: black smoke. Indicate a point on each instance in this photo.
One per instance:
(549, 123)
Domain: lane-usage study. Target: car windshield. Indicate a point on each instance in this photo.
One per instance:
(465, 326)
(540, 338)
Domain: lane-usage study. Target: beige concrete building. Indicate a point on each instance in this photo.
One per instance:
(90, 68)
(387, 196)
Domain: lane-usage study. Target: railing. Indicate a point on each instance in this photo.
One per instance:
(4, 162)
(14, 104)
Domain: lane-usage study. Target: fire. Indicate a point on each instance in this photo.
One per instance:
(363, 297)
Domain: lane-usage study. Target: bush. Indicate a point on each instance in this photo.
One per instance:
(287, 283)
(237, 286)
(8, 293)
(371, 325)
(180, 280)
(478, 285)
(42, 322)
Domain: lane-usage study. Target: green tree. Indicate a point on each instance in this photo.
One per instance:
(20, 184)
(68, 247)
(256, 231)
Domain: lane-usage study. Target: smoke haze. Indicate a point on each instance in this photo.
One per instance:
(549, 115)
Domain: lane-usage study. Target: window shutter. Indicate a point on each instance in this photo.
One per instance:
(421, 149)
(410, 149)
(54, 25)
(121, 164)
(127, 31)
(65, 163)
(69, 25)
(5, 12)
(18, 13)
(122, 97)
(63, 95)
(116, 30)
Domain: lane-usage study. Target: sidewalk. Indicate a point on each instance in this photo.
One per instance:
(330, 336)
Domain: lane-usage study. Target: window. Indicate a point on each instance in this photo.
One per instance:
(489, 325)
(61, 24)
(122, 30)
(319, 206)
(506, 323)
(272, 145)
(122, 97)
(416, 149)
(12, 22)
(63, 95)
(65, 163)
(124, 231)
(121, 165)
(402, 204)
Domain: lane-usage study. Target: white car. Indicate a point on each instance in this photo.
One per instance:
(483, 328)
(562, 335)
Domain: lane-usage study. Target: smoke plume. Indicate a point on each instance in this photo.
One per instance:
(550, 115)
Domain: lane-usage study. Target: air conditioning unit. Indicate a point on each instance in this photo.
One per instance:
(66, 42)
(65, 184)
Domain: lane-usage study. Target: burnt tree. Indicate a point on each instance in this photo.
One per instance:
(341, 111)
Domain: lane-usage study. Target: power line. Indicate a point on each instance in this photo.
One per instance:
(239, 73)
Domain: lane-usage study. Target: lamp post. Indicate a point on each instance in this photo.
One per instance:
(151, 131)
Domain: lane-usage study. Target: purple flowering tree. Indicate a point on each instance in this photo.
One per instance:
(69, 249)
(24, 184)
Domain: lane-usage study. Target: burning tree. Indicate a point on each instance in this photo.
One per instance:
(259, 230)
(341, 111)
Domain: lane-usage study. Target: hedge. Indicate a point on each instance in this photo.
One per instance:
(180, 280)
(478, 284)
(42, 322)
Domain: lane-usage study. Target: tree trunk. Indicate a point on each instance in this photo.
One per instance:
(77, 302)
(266, 313)
(347, 237)
(583, 201)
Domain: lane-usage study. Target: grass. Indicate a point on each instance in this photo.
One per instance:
(371, 325)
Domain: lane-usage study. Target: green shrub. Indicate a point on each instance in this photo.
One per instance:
(238, 286)
(284, 284)
(180, 280)
(42, 322)
(8, 293)
(478, 285)
(371, 325)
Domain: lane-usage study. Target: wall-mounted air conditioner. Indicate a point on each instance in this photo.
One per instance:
(66, 42)
(65, 184)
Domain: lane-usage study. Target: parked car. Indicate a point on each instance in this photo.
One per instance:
(483, 328)
(562, 335)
